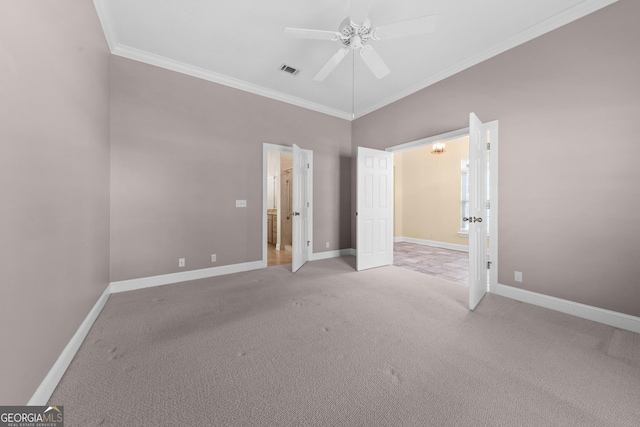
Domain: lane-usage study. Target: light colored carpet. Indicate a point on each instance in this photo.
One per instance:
(330, 346)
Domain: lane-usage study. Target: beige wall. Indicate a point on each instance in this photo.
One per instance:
(429, 192)
(54, 183)
(173, 188)
(568, 103)
(398, 194)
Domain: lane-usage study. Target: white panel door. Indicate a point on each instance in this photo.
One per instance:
(477, 210)
(374, 223)
(300, 209)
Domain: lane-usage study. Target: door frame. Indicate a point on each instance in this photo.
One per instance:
(266, 147)
(493, 186)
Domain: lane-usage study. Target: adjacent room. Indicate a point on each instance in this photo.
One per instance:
(431, 234)
(145, 268)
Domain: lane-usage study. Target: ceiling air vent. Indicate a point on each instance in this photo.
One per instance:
(288, 69)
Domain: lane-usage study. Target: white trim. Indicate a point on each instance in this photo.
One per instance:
(107, 26)
(183, 276)
(443, 137)
(201, 73)
(493, 159)
(266, 147)
(576, 12)
(283, 149)
(50, 382)
(310, 210)
(433, 243)
(493, 200)
(596, 314)
(331, 254)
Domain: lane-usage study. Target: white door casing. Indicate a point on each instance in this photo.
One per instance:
(300, 208)
(374, 222)
(285, 209)
(477, 210)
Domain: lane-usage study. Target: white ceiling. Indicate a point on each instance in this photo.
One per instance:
(239, 43)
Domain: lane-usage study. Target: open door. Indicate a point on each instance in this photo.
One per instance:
(374, 222)
(300, 205)
(478, 149)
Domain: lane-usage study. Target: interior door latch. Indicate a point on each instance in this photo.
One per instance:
(472, 219)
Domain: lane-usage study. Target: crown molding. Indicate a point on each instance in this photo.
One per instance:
(556, 21)
(572, 14)
(201, 73)
(107, 24)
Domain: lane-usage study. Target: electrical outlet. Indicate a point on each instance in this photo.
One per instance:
(518, 276)
(213, 258)
(181, 262)
(241, 203)
(327, 245)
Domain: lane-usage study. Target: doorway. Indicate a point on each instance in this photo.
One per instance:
(427, 232)
(279, 207)
(287, 219)
(431, 198)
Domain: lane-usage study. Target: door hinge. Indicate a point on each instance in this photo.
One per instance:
(488, 205)
(308, 167)
(307, 204)
(308, 242)
(488, 265)
(488, 146)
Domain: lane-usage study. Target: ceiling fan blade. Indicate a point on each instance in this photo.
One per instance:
(374, 62)
(359, 11)
(303, 33)
(331, 64)
(411, 27)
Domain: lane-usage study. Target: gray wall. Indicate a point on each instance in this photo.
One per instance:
(184, 149)
(54, 183)
(568, 105)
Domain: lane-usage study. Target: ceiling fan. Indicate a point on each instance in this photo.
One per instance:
(356, 32)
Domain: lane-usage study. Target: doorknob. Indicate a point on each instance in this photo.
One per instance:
(296, 213)
(466, 219)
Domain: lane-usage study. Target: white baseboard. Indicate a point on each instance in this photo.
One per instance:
(166, 279)
(183, 276)
(600, 315)
(50, 382)
(444, 245)
(332, 254)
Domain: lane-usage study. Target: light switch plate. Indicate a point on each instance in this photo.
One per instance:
(241, 203)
